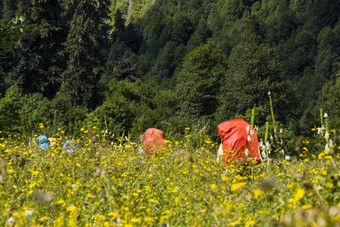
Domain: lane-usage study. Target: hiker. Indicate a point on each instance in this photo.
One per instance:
(152, 140)
(43, 142)
(69, 146)
(238, 142)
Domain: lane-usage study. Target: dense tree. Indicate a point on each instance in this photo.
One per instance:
(328, 53)
(9, 7)
(9, 110)
(83, 65)
(252, 74)
(200, 36)
(146, 80)
(39, 46)
(181, 29)
(198, 82)
(329, 101)
(9, 34)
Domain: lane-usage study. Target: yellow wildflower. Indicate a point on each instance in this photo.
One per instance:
(237, 186)
(300, 192)
(258, 193)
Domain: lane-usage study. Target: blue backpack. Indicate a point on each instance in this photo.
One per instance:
(43, 142)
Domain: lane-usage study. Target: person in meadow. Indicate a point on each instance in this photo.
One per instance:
(239, 142)
(43, 142)
(69, 146)
(152, 141)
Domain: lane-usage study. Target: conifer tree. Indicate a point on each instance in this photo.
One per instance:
(83, 65)
(39, 46)
(253, 72)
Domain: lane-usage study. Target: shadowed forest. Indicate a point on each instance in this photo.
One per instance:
(126, 66)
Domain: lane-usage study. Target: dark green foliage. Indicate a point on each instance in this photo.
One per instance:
(252, 74)
(9, 34)
(125, 104)
(321, 14)
(9, 110)
(167, 64)
(181, 29)
(167, 60)
(9, 8)
(329, 101)
(66, 115)
(328, 53)
(39, 46)
(83, 65)
(198, 82)
(35, 109)
(200, 36)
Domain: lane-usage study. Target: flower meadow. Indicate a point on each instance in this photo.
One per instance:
(108, 182)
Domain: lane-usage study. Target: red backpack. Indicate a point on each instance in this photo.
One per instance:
(153, 140)
(238, 138)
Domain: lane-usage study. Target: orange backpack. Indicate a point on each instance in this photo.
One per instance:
(153, 140)
(239, 141)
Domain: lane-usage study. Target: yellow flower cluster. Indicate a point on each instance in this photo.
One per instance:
(109, 182)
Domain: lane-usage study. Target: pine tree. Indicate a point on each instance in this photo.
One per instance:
(253, 72)
(39, 46)
(83, 65)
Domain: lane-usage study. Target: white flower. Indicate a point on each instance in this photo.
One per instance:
(287, 158)
(319, 131)
(248, 138)
(264, 155)
(327, 135)
(28, 213)
(10, 221)
(325, 115)
(219, 154)
(247, 129)
(326, 148)
(246, 152)
(282, 151)
(261, 144)
(268, 92)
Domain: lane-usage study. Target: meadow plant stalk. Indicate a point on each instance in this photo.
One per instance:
(273, 117)
(253, 118)
(321, 116)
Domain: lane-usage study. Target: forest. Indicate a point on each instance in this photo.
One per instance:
(125, 66)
